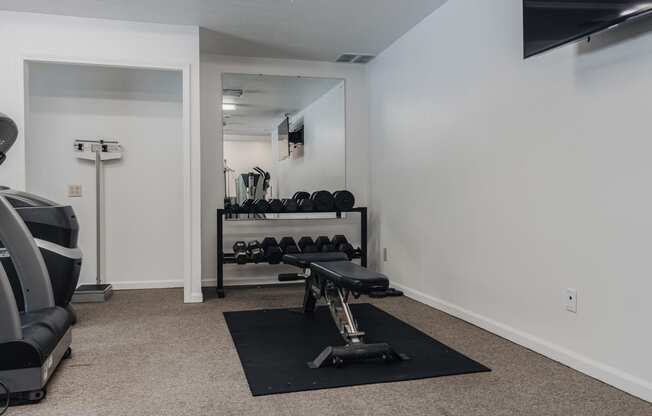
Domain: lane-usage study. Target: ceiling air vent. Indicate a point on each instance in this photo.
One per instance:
(363, 59)
(355, 58)
(346, 58)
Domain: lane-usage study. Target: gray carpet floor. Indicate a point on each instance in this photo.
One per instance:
(146, 353)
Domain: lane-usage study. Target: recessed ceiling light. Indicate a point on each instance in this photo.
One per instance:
(232, 92)
(228, 107)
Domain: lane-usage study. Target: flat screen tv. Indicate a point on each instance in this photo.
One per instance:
(548, 24)
(284, 139)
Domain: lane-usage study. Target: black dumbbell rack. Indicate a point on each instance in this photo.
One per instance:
(229, 258)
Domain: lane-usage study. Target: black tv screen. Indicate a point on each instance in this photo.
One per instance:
(284, 139)
(548, 24)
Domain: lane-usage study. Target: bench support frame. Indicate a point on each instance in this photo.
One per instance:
(356, 349)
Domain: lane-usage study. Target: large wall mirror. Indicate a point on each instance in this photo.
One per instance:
(282, 135)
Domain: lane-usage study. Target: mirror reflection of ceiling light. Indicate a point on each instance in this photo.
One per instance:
(231, 92)
(229, 107)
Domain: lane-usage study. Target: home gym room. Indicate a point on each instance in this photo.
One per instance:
(346, 207)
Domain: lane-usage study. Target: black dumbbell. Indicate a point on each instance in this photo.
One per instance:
(288, 245)
(323, 201)
(307, 245)
(255, 252)
(301, 195)
(247, 206)
(306, 205)
(260, 206)
(342, 245)
(231, 208)
(276, 206)
(272, 251)
(240, 252)
(344, 200)
(323, 244)
(290, 205)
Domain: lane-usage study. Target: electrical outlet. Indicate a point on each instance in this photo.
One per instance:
(571, 300)
(74, 191)
(385, 254)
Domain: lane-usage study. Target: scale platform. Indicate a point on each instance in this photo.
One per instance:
(92, 293)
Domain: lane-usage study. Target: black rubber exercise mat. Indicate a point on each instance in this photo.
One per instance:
(275, 345)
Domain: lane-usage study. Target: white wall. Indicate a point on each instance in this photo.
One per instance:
(323, 165)
(533, 177)
(357, 175)
(143, 192)
(41, 37)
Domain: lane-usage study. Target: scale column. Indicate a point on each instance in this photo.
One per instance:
(99, 152)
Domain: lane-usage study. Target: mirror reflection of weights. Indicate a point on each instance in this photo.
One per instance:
(283, 136)
(301, 202)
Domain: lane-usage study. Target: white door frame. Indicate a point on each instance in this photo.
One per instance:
(191, 160)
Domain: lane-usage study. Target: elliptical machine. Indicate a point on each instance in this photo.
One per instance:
(8, 135)
(55, 230)
(33, 341)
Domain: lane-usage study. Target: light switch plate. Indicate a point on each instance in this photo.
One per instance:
(74, 191)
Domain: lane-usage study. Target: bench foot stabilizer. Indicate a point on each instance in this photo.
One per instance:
(339, 356)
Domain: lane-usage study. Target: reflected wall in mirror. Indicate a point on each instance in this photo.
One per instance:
(282, 135)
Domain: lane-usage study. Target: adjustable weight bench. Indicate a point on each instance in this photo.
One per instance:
(334, 278)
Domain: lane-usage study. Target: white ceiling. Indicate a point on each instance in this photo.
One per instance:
(266, 99)
(301, 29)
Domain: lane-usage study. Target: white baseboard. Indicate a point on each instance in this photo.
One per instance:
(208, 282)
(147, 284)
(246, 281)
(195, 298)
(610, 375)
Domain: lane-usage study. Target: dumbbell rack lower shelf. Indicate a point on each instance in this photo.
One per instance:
(224, 258)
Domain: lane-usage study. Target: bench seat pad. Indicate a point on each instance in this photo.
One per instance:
(347, 275)
(304, 260)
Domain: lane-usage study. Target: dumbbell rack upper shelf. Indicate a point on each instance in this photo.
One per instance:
(294, 216)
(222, 257)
